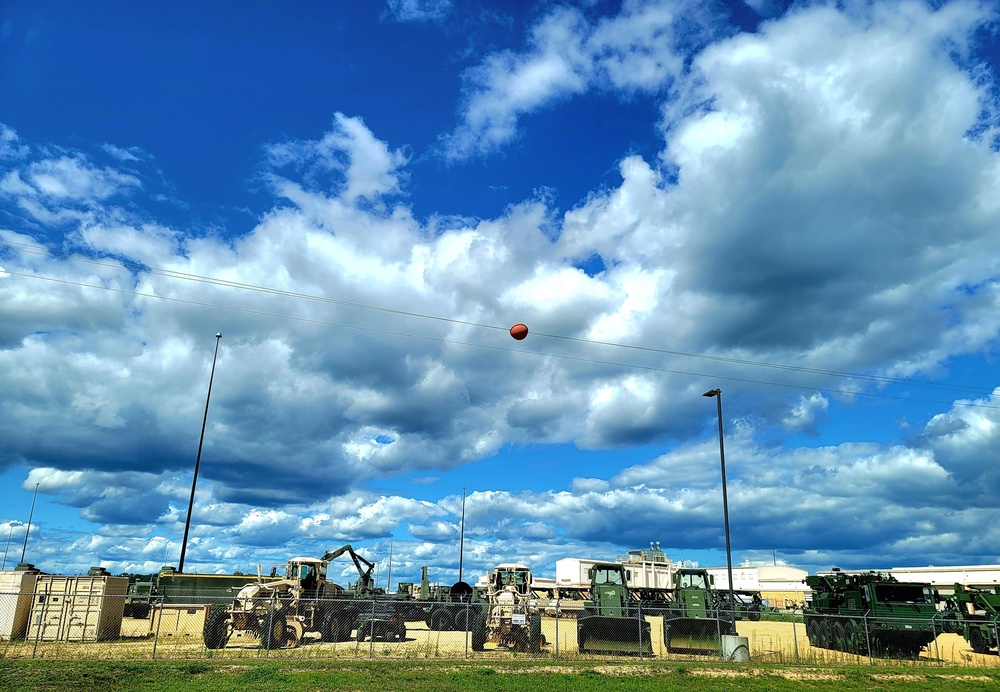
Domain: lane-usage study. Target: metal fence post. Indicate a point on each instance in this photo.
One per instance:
(795, 637)
(996, 634)
(159, 623)
(555, 652)
(38, 622)
(269, 635)
(937, 652)
(371, 632)
(868, 641)
(641, 621)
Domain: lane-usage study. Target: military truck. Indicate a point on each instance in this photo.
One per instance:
(510, 618)
(871, 614)
(445, 607)
(281, 612)
(698, 616)
(975, 614)
(181, 588)
(611, 620)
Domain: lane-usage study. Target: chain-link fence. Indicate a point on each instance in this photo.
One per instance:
(64, 624)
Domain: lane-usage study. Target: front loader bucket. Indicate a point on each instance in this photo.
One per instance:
(699, 636)
(611, 635)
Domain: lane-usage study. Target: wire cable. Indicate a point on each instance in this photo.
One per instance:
(137, 267)
(560, 356)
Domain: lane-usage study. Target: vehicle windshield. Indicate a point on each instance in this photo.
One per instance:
(901, 593)
(608, 576)
(518, 578)
(696, 581)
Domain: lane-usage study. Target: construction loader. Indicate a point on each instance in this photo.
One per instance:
(698, 617)
(611, 620)
(279, 613)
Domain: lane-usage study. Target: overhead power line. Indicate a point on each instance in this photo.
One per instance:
(982, 392)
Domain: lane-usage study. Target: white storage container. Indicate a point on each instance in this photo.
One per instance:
(77, 609)
(180, 621)
(16, 590)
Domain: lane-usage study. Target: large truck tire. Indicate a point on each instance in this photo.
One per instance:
(216, 632)
(441, 620)
(977, 641)
(478, 632)
(273, 634)
(330, 627)
(534, 633)
(461, 619)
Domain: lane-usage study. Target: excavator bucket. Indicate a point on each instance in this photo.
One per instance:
(699, 636)
(614, 635)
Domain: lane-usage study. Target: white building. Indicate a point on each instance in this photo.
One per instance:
(779, 585)
(648, 569)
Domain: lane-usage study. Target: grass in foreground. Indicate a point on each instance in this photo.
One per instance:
(303, 676)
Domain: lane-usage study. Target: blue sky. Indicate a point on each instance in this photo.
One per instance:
(794, 203)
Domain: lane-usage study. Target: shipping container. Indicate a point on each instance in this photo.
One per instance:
(77, 608)
(178, 621)
(16, 590)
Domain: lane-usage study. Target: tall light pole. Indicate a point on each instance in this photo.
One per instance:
(717, 393)
(461, 542)
(197, 461)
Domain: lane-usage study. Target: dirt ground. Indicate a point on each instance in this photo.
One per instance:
(768, 642)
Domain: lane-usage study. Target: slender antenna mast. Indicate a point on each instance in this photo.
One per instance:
(197, 461)
(9, 534)
(461, 543)
(30, 514)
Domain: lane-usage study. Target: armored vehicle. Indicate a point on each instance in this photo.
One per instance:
(975, 614)
(871, 614)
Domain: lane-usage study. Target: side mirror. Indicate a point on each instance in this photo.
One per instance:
(711, 580)
(628, 575)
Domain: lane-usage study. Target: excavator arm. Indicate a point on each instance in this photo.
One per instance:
(365, 572)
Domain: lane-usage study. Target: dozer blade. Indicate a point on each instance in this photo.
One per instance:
(610, 635)
(697, 636)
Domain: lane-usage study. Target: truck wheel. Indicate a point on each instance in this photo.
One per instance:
(461, 620)
(273, 636)
(812, 633)
(363, 631)
(582, 633)
(977, 641)
(329, 629)
(216, 632)
(441, 620)
(478, 633)
(855, 638)
(535, 633)
(840, 642)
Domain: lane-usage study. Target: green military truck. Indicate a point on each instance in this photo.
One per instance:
(975, 614)
(871, 614)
